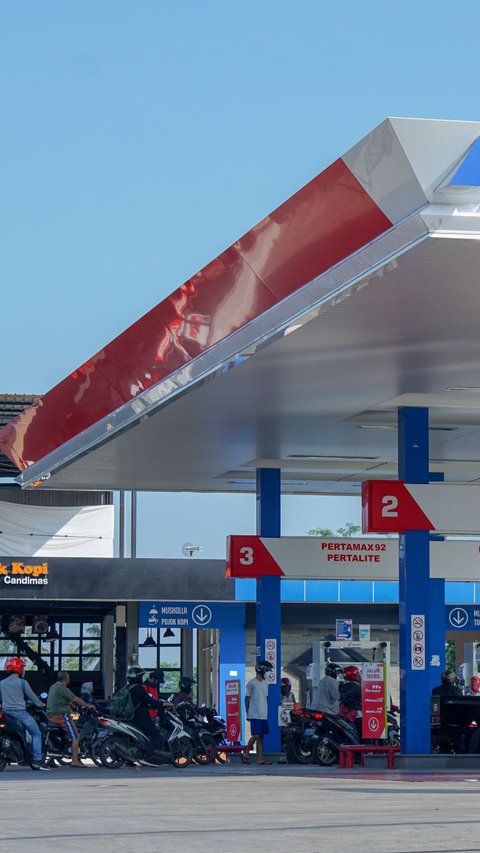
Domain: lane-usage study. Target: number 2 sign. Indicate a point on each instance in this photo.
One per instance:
(389, 507)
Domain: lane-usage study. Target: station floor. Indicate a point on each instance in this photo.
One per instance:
(238, 808)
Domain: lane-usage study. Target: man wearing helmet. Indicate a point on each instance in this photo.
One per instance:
(256, 704)
(325, 697)
(13, 691)
(184, 694)
(143, 703)
(287, 696)
(448, 687)
(351, 693)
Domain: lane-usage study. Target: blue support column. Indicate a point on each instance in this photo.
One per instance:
(415, 601)
(269, 620)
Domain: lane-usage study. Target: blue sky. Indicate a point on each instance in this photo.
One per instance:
(139, 140)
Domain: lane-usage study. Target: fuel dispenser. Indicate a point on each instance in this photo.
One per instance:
(470, 665)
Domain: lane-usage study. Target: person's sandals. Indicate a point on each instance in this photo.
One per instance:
(264, 762)
(245, 757)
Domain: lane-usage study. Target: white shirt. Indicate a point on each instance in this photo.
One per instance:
(257, 690)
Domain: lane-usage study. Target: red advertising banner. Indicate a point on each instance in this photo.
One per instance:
(374, 706)
(233, 710)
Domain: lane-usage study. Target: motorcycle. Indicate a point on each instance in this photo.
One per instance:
(216, 725)
(15, 742)
(125, 743)
(315, 736)
(300, 735)
(204, 744)
(455, 724)
(332, 732)
(91, 732)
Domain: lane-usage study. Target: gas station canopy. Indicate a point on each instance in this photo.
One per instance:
(295, 347)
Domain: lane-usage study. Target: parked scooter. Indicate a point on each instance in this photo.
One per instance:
(126, 743)
(216, 725)
(203, 742)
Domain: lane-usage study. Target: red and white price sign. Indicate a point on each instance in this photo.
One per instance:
(374, 705)
(417, 639)
(233, 710)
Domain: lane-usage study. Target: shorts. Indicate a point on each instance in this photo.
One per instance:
(66, 723)
(259, 727)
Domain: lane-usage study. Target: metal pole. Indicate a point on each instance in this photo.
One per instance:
(268, 612)
(121, 525)
(415, 607)
(133, 526)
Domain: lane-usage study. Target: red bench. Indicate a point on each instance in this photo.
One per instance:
(234, 748)
(347, 753)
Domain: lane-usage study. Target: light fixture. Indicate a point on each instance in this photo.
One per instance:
(52, 634)
(168, 633)
(149, 642)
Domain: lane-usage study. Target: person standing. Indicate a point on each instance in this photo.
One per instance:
(256, 704)
(59, 706)
(14, 690)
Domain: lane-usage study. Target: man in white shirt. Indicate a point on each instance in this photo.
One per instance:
(256, 704)
(326, 696)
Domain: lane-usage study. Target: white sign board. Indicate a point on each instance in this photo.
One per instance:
(364, 633)
(305, 557)
(271, 656)
(417, 638)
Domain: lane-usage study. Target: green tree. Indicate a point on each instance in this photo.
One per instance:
(350, 529)
(320, 531)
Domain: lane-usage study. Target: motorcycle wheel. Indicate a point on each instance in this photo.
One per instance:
(108, 754)
(474, 742)
(3, 764)
(326, 753)
(95, 754)
(393, 737)
(205, 751)
(181, 752)
(298, 752)
(221, 756)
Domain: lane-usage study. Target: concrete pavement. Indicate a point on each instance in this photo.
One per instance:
(236, 808)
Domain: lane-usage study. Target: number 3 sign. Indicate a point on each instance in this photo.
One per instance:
(247, 557)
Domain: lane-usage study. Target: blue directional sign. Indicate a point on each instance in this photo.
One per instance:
(182, 614)
(462, 617)
(343, 629)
